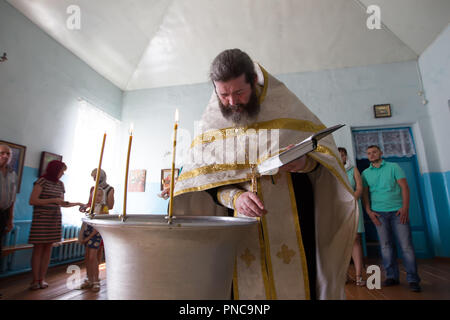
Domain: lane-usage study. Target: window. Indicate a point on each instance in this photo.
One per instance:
(91, 124)
(393, 142)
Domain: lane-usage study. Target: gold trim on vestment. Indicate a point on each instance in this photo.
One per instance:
(224, 167)
(236, 195)
(262, 255)
(281, 123)
(336, 174)
(265, 239)
(210, 185)
(298, 233)
(243, 166)
(213, 168)
(266, 85)
(262, 263)
(325, 150)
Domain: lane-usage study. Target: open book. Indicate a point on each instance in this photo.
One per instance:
(298, 150)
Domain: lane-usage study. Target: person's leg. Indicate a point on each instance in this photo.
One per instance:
(86, 262)
(387, 246)
(89, 253)
(403, 234)
(36, 263)
(44, 263)
(3, 220)
(357, 255)
(87, 283)
(93, 262)
(100, 254)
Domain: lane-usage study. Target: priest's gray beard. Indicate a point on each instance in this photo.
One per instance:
(241, 114)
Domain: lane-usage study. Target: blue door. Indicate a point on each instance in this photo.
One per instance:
(416, 209)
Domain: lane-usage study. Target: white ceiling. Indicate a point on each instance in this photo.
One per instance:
(139, 44)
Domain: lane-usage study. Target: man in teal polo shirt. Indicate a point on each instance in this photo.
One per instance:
(388, 209)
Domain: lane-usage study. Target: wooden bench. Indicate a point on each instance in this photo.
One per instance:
(8, 250)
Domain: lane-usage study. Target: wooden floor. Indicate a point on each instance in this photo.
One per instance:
(16, 287)
(435, 274)
(435, 283)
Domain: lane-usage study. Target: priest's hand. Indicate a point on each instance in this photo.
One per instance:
(295, 166)
(249, 204)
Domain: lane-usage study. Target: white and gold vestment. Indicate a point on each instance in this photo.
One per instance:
(271, 263)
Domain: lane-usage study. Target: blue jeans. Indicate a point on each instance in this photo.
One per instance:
(390, 225)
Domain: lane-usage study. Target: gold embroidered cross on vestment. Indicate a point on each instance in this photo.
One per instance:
(285, 254)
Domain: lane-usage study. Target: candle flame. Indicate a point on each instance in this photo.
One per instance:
(131, 129)
(176, 115)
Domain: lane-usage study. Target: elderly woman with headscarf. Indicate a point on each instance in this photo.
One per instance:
(104, 201)
(47, 198)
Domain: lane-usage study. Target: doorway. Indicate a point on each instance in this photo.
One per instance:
(398, 146)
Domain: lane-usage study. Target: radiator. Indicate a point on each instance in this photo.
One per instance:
(10, 239)
(19, 261)
(70, 251)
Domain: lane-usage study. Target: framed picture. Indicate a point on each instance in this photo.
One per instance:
(382, 110)
(17, 160)
(46, 157)
(166, 176)
(137, 181)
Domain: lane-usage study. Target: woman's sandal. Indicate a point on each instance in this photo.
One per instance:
(96, 286)
(85, 285)
(35, 286)
(360, 282)
(43, 284)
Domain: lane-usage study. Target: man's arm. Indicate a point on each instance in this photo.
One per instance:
(404, 210)
(227, 195)
(245, 202)
(359, 184)
(366, 201)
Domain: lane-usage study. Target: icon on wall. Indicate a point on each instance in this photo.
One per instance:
(46, 157)
(137, 180)
(382, 110)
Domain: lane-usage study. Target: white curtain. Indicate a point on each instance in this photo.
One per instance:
(92, 123)
(393, 142)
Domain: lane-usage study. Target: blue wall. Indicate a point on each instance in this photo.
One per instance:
(437, 194)
(435, 69)
(40, 84)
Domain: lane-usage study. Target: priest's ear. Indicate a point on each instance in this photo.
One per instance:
(255, 80)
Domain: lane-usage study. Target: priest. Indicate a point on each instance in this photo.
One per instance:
(301, 247)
